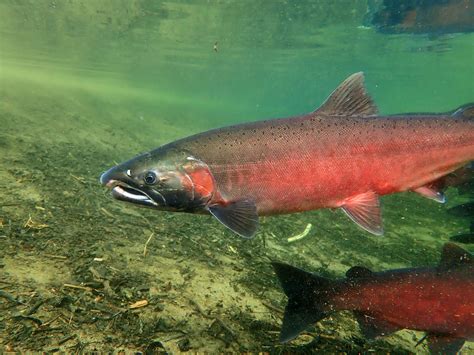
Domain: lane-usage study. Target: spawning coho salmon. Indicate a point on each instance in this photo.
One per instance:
(438, 300)
(342, 155)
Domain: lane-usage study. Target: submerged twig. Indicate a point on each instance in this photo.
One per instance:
(78, 287)
(9, 297)
(107, 213)
(273, 308)
(198, 307)
(226, 327)
(34, 225)
(139, 304)
(301, 235)
(78, 178)
(30, 318)
(66, 338)
(35, 307)
(146, 244)
(61, 257)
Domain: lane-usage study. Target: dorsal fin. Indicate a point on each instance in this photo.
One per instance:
(454, 255)
(349, 99)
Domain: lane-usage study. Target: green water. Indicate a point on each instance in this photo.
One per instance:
(86, 84)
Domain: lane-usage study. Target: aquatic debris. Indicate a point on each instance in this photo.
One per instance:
(138, 304)
(146, 244)
(78, 178)
(301, 235)
(30, 224)
(78, 287)
(66, 338)
(9, 296)
(107, 213)
(59, 257)
(220, 330)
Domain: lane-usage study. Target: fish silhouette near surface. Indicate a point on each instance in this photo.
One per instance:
(434, 17)
(342, 155)
(438, 300)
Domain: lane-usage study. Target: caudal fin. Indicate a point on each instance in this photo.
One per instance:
(308, 299)
(465, 111)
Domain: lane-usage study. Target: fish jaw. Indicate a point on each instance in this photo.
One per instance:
(123, 188)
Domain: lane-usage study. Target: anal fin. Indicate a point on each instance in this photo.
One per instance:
(431, 192)
(372, 327)
(239, 216)
(364, 210)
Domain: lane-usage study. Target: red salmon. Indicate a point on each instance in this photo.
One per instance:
(437, 300)
(342, 155)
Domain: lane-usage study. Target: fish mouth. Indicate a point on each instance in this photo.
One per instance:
(125, 192)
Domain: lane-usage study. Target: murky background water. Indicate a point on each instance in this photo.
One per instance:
(85, 84)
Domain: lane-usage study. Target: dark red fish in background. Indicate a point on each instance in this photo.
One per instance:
(435, 17)
(342, 155)
(438, 300)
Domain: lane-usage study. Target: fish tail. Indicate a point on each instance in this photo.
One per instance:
(465, 111)
(308, 299)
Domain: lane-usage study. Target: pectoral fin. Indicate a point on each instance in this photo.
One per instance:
(239, 216)
(364, 209)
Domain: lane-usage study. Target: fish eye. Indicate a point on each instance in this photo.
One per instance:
(150, 178)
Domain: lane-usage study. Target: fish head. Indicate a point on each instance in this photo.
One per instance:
(164, 179)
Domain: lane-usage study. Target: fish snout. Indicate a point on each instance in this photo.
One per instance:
(111, 177)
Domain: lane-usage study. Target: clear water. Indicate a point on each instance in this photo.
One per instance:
(84, 85)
